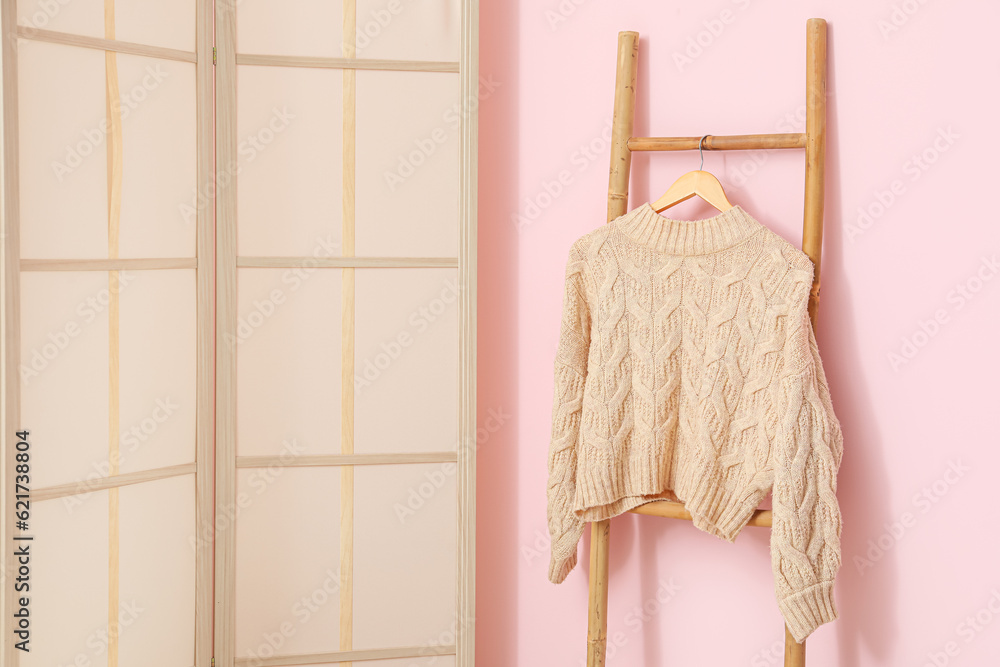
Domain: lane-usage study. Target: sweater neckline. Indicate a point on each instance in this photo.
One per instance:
(645, 226)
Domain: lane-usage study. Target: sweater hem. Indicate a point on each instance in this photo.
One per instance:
(714, 509)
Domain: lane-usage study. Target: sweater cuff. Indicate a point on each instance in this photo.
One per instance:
(807, 610)
(560, 567)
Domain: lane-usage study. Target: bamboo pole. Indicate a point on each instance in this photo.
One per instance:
(597, 633)
(812, 219)
(795, 653)
(621, 129)
(731, 142)
(812, 224)
(618, 179)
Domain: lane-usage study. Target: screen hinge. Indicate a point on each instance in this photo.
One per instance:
(214, 56)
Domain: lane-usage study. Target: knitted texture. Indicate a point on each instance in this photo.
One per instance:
(687, 369)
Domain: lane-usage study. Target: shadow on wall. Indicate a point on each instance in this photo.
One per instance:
(865, 595)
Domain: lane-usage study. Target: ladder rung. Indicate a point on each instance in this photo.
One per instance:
(732, 142)
(669, 509)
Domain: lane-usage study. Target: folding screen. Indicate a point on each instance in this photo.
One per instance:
(245, 359)
(345, 352)
(108, 314)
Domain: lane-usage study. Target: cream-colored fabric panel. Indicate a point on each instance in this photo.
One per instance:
(290, 167)
(63, 152)
(407, 164)
(69, 602)
(157, 570)
(157, 371)
(64, 374)
(406, 361)
(404, 555)
(79, 17)
(409, 29)
(288, 361)
(290, 27)
(169, 23)
(287, 570)
(159, 175)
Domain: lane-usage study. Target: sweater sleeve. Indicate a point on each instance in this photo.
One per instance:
(808, 445)
(565, 527)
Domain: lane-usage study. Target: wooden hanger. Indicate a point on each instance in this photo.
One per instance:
(697, 182)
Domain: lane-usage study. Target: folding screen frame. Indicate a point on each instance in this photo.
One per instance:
(227, 264)
(203, 263)
(215, 265)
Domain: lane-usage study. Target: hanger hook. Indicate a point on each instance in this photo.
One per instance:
(700, 154)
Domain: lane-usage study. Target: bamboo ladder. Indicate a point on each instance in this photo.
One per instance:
(622, 145)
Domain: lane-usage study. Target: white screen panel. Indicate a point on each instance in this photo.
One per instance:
(170, 24)
(288, 354)
(63, 152)
(287, 561)
(64, 374)
(79, 17)
(409, 29)
(69, 602)
(158, 365)
(290, 180)
(406, 364)
(404, 554)
(407, 164)
(290, 27)
(157, 573)
(159, 171)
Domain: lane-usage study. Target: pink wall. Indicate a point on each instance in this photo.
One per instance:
(912, 109)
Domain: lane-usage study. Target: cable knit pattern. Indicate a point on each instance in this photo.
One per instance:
(687, 369)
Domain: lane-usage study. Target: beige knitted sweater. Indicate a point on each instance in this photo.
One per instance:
(687, 369)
